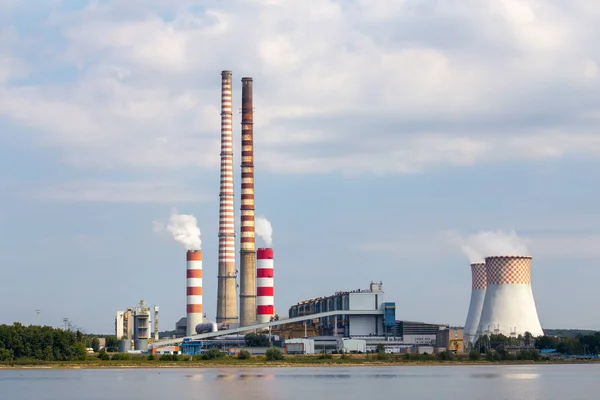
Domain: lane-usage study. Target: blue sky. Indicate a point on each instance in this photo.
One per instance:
(379, 127)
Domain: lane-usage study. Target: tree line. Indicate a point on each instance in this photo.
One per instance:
(567, 345)
(40, 342)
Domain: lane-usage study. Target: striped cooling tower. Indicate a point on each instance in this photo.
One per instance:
(265, 290)
(478, 288)
(227, 285)
(509, 307)
(194, 290)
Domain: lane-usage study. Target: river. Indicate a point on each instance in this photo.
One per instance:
(489, 382)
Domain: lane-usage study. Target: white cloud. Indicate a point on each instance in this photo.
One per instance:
(122, 192)
(354, 87)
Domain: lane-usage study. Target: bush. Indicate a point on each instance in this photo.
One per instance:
(244, 355)
(474, 355)
(103, 355)
(120, 356)
(325, 356)
(274, 354)
(212, 353)
(169, 357)
(446, 356)
(151, 357)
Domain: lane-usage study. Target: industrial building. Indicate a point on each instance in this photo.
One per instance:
(375, 324)
(135, 325)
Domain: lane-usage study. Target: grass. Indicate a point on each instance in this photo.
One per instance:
(261, 361)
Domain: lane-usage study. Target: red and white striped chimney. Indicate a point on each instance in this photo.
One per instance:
(194, 290)
(265, 291)
(226, 280)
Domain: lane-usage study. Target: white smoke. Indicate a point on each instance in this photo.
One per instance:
(263, 228)
(183, 228)
(490, 243)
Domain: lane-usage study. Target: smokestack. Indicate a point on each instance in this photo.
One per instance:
(155, 322)
(194, 290)
(248, 246)
(478, 288)
(265, 301)
(227, 284)
(509, 307)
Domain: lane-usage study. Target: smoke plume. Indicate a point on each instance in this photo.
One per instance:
(490, 243)
(183, 228)
(263, 228)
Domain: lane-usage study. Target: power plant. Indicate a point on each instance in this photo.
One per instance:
(352, 320)
(478, 286)
(227, 278)
(509, 307)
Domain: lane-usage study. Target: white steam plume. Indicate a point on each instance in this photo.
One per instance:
(263, 228)
(183, 228)
(490, 243)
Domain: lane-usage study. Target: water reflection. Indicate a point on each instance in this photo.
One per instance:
(521, 376)
(505, 376)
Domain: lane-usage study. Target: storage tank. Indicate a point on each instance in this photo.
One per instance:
(206, 327)
(140, 344)
(124, 345)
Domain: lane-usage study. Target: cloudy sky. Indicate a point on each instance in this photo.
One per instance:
(380, 125)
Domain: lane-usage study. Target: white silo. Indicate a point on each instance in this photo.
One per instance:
(509, 307)
(478, 289)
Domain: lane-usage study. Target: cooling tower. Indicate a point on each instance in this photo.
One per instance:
(265, 302)
(194, 291)
(509, 307)
(478, 286)
(247, 242)
(227, 285)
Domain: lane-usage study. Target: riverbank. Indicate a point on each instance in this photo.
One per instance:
(292, 363)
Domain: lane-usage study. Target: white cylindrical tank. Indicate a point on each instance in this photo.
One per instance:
(478, 288)
(509, 307)
(194, 290)
(265, 290)
(206, 327)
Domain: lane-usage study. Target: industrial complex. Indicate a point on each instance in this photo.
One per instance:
(360, 320)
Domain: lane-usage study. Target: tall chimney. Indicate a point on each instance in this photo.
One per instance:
(247, 242)
(265, 300)
(193, 290)
(227, 284)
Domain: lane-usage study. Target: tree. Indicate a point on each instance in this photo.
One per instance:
(112, 342)
(256, 340)
(95, 344)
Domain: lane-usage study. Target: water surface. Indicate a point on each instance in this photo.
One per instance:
(489, 382)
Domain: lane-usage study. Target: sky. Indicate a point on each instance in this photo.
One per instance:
(380, 126)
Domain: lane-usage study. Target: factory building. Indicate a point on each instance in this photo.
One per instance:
(135, 325)
(124, 324)
(418, 332)
(451, 339)
(350, 325)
